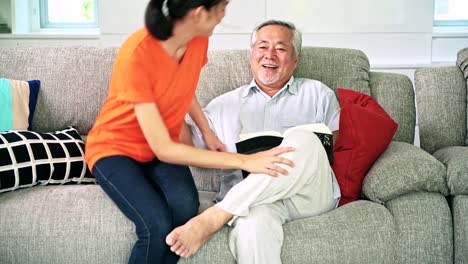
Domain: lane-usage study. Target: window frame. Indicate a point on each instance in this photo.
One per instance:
(44, 22)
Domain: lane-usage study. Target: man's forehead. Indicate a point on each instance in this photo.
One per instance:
(276, 42)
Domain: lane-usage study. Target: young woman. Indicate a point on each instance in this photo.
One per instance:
(133, 148)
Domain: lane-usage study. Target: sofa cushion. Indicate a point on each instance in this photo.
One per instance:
(17, 103)
(402, 169)
(462, 62)
(456, 161)
(460, 228)
(74, 82)
(365, 132)
(395, 93)
(362, 231)
(29, 158)
(441, 100)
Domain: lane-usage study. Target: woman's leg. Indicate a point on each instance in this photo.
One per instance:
(179, 190)
(124, 181)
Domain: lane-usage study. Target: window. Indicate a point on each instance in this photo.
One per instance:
(68, 14)
(450, 13)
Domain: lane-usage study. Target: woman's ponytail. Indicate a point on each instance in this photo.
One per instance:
(157, 22)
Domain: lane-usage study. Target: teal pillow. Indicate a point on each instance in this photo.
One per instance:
(17, 103)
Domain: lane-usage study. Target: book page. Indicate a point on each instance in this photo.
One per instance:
(316, 128)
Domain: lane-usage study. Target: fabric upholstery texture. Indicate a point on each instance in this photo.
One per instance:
(460, 226)
(17, 103)
(365, 132)
(441, 98)
(404, 169)
(363, 221)
(394, 92)
(29, 158)
(60, 235)
(462, 62)
(456, 161)
(417, 215)
(74, 82)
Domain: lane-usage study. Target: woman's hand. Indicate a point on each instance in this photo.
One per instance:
(212, 142)
(268, 161)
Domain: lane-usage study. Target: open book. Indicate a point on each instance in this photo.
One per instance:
(259, 141)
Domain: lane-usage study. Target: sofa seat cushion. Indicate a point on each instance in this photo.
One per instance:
(63, 224)
(460, 228)
(80, 224)
(456, 161)
(358, 232)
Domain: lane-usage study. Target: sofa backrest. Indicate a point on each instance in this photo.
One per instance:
(229, 69)
(74, 81)
(441, 96)
(462, 62)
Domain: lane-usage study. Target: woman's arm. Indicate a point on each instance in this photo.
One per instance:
(165, 149)
(212, 142)
(186, 135)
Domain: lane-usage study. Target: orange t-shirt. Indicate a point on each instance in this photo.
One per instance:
(144, 72)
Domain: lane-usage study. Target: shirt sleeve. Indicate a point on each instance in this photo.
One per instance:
(133, 82)
(331, 109)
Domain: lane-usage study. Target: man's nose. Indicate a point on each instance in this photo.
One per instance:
(270, 53)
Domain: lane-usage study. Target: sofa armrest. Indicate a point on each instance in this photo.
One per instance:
(404, 168)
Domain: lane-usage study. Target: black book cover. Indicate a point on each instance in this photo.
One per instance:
(261, 142)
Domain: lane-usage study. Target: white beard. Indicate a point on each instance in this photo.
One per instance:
(268, 80)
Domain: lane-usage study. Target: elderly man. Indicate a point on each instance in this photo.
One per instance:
(257, 207)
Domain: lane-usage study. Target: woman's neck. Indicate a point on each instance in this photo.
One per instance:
(176, 45)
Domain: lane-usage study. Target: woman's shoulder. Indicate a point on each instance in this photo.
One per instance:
(138, 43)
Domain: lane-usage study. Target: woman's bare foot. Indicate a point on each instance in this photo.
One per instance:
(185, 240)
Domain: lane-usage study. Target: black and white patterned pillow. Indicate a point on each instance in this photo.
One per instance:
(29, 158)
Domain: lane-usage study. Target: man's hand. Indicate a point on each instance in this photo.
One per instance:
(212, 142)
(268, 161)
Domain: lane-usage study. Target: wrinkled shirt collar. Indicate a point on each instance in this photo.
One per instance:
(252, 87)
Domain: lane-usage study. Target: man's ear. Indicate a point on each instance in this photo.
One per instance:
(296, 61)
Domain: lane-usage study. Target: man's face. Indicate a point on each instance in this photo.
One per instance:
(273, 61)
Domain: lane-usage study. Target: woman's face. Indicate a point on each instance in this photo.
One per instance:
(214, 17)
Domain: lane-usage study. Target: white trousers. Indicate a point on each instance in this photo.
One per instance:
(261, 204)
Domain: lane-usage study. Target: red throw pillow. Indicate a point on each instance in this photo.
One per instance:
(365, 132)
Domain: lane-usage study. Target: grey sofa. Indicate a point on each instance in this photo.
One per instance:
(442, 101)
(403, 216)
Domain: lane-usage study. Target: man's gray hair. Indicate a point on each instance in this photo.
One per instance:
(297, 36)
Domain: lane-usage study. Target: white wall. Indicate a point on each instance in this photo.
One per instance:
(395, 34)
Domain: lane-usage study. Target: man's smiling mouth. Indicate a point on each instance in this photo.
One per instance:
(270, 66)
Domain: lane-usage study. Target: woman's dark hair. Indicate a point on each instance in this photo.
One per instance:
(160, 15)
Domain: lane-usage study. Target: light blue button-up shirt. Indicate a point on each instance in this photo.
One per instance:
(248, 109)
